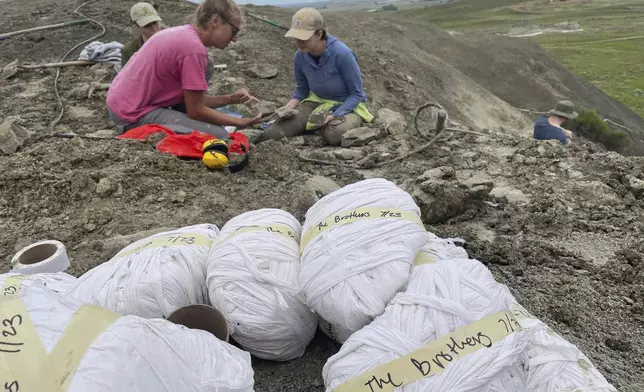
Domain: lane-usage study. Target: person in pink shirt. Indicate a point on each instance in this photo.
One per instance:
(165, 83)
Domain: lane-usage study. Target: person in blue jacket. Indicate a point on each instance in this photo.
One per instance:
(548, 126)
(329, 94)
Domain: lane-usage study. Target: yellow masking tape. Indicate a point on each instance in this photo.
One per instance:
(23, 360)
(350, 216)
(433, 358)
(423, 258)
(282, 230)
(165, 241)
(521, 314)
(24, 364)
(12, 284)
(87, 324)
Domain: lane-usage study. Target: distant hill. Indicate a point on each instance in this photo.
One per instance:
(276, 3)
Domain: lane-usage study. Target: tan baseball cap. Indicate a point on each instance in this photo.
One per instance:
(143, 14)
(305, 22)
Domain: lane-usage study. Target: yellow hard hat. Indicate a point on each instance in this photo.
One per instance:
(215, 154)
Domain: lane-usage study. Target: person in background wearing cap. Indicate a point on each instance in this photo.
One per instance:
(165, 83)
(145, 16)
(548, 126)
(329, 93)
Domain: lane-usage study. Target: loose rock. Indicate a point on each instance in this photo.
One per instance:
(264, 107)
(242, 109)
(228, 85)
(9, 70)
(373, 159)
(179, 197)
(437, 173)
(512, 194)
(393, 122)
(635, 185)
(360, 136)
(105, 187)
(83, 185)
(348, 154)
(324, 155)
(321, 186)
(12, 136)
(234, 54)
(441, 200)
(263, 71)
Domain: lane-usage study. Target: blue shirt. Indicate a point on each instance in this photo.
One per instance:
(543, 130)
(335, 76)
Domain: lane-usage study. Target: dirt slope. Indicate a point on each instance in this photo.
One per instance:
(522, 73)
(561, 227)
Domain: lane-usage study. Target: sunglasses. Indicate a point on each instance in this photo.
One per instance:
(235, 28)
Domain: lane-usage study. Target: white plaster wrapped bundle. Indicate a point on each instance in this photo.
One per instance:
(127, 353)
(152, 277)
(438, 248)
(553, 363)
(58, 282)
(358, 246)
(450, 331)
(252, 279)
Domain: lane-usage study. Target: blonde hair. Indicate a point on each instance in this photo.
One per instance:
(226, 9)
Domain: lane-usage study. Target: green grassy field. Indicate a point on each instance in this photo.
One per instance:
(600, 53)
(616, 67)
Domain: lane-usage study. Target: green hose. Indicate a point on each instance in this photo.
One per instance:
(270, 22)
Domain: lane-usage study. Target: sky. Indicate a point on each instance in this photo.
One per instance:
(273, 2)
(267, 2)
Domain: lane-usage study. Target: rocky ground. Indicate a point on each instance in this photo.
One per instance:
(560, 226)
